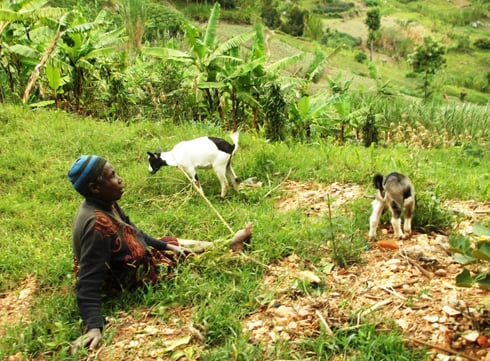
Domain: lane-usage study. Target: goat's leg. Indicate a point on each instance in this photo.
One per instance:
(397, 227)
(221, 174)
(232, 176)
(193, 175)
(409, 208)
(378, 207)
(396, 222)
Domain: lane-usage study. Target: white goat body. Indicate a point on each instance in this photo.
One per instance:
(395, 191)
(203, 152)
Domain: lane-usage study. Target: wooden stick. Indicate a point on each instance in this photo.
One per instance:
(273, 189)
(426, 273)
(374, 307)
(393, 292)
(442, 348)
(248, 258)
(324, 323)
(207, 201)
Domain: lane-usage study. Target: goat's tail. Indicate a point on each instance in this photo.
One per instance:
(378, 181)
(234, 137)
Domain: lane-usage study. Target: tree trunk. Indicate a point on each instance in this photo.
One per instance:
(371, 50)
(234, 109)
(35, 74)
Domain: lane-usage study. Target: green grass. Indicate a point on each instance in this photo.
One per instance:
(37, 206)
(369, 343)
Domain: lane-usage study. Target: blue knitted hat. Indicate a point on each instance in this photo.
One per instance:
(84, 170)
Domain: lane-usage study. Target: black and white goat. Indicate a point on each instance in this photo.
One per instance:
(394, 191)
(203, 152)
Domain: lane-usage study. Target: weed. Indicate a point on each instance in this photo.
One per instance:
(368, 342)
(430, 215)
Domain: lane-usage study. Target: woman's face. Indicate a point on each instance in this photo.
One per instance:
(111, 188)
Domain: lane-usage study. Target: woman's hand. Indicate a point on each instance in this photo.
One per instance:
(178, 250)
(91, 338)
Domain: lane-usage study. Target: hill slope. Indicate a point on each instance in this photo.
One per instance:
(402, 25)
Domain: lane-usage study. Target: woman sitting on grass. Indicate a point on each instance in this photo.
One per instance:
(111, 253)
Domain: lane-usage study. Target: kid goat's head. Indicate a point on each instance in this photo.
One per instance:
(156, 162)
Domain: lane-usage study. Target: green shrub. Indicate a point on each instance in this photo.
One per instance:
(361, 57)
(244, 16)
(270, 16)
(463, 43)
(430, 215)
(295, 22)
(333, 7)
(198, 12)
(314, 28)
(162, 23)
(393, 42)
(475, 251)
(336, 38)
(275, 112)
(482, 43)
(369, 130)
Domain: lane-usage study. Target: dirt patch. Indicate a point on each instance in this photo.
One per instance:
(315, 198)
(149, 336)
(357, 27)
(413, 286)
(15, 305)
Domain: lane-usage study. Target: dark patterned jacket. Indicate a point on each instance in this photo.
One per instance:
(111, 253)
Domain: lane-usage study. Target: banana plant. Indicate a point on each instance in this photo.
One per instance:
(19, 46)
(310, 116)
(55, 79)
(51, 32)
(345, 117)
(229, 76)
(82, 42)
(214, 61)
(26, 12)
(318, 64)
(207, 60)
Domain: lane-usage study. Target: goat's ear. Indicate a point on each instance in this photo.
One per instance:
(159, 150)
(150, 154)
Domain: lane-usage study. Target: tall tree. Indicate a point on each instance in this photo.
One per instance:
(428, 59)
(295, 21)
(373, 21)
(270, 15)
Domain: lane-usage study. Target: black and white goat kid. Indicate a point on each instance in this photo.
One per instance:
(203, 152)
(395, 191)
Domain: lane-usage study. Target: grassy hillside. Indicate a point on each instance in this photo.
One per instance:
(457, 24)
(218, 290)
